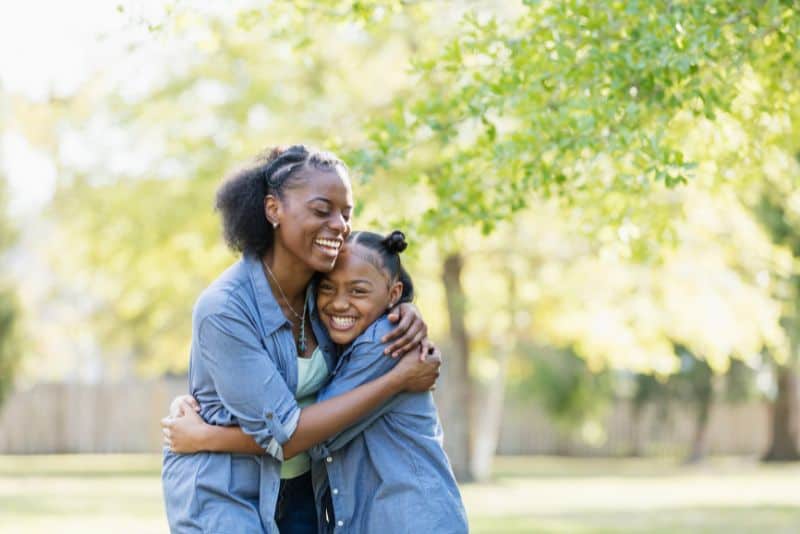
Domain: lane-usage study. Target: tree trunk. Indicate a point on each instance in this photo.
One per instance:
(455, 369)
(487, 426)
(636, 442)
(783, 445)
(699, 450)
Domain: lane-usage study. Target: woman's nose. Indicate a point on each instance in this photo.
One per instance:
(339, 223)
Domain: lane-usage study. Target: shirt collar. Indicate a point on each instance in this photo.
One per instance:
(271, 314)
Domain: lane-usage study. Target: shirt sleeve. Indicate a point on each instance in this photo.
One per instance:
(365, 362)
(247, 381)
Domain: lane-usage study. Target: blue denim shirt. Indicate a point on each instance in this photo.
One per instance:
(389, 473)
(243, 371)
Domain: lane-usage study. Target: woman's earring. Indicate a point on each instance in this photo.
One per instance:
(274, 226)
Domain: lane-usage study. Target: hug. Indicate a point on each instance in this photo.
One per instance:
(310, 372)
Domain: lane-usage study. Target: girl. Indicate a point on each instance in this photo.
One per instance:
(257, 345)
(388, 473)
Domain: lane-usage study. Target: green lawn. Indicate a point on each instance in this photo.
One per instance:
(121, 494)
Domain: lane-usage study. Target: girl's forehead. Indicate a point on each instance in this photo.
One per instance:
(356, 259)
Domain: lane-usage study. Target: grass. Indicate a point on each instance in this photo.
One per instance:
(122, 494)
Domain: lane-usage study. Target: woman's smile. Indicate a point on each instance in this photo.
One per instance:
(329, 246)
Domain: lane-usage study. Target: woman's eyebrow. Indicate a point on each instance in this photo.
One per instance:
(320, 199)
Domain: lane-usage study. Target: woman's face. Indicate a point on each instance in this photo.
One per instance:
(313, 217)
(355, 293)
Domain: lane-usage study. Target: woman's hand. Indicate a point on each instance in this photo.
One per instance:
(419, 374)
(410, 330)
(182, 403)
(185, 433)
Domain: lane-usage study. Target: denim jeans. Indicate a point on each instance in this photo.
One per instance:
(295, 511)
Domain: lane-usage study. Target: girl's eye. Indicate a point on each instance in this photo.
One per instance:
(359, 291)
(326, 288)
(321, 213)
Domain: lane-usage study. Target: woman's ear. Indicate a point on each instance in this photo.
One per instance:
(272, 210)
(395, 293)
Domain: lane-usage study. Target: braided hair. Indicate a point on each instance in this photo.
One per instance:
(240, 199)
(387, 249)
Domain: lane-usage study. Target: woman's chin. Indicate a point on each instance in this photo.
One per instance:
(323, 264)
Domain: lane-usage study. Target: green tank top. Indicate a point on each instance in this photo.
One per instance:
(312, 373)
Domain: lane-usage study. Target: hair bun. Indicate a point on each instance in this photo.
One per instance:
(395, 242)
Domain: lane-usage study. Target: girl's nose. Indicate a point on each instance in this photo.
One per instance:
(340, 303)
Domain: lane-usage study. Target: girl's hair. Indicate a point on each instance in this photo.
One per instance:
(388, 249)
(240, 199)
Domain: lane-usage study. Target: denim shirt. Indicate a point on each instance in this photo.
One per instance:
(389, 473)
(242, 371)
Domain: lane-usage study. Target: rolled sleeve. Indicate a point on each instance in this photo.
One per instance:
(247, 381)
(365, 362)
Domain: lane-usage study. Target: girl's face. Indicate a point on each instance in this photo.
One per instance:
(313, 217)
(355, 293)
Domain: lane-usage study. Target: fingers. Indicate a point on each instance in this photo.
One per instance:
(428, 350)
(192, 402)
(408, 341)
(180, 403)
(401, 329)
(187, 407)
(166, 431)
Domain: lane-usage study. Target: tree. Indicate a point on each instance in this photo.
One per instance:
(10, 350)
(585, 103)
(777, 213)
(572, 99)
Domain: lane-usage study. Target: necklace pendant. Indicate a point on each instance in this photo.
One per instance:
(301, 339)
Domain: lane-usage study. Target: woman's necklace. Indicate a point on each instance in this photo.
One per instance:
(301, 339)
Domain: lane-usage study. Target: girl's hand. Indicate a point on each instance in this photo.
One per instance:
(417, 374)
(410, 330)
(185, 433)
(183, 403)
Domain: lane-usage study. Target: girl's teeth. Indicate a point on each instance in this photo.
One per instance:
(343, 321)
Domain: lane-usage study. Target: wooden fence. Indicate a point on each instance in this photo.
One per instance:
(70, 418)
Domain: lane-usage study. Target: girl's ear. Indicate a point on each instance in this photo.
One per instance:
(272, 210)
(395, 292)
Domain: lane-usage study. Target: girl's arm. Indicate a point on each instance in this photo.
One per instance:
(318, 422)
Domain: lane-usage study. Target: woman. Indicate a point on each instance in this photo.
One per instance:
(289, 215)
(389, 473)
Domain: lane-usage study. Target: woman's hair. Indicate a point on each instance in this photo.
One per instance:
(387, 249)
(240, 199)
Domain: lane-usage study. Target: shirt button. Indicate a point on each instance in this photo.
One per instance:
(340, 523)
(329, 459)
(335, 491)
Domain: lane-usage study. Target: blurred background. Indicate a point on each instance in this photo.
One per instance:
(602, 201)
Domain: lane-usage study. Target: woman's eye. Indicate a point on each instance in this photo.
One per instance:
(322, 213)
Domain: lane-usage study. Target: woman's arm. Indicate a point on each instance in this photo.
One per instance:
(365, 362)
(188, 433)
